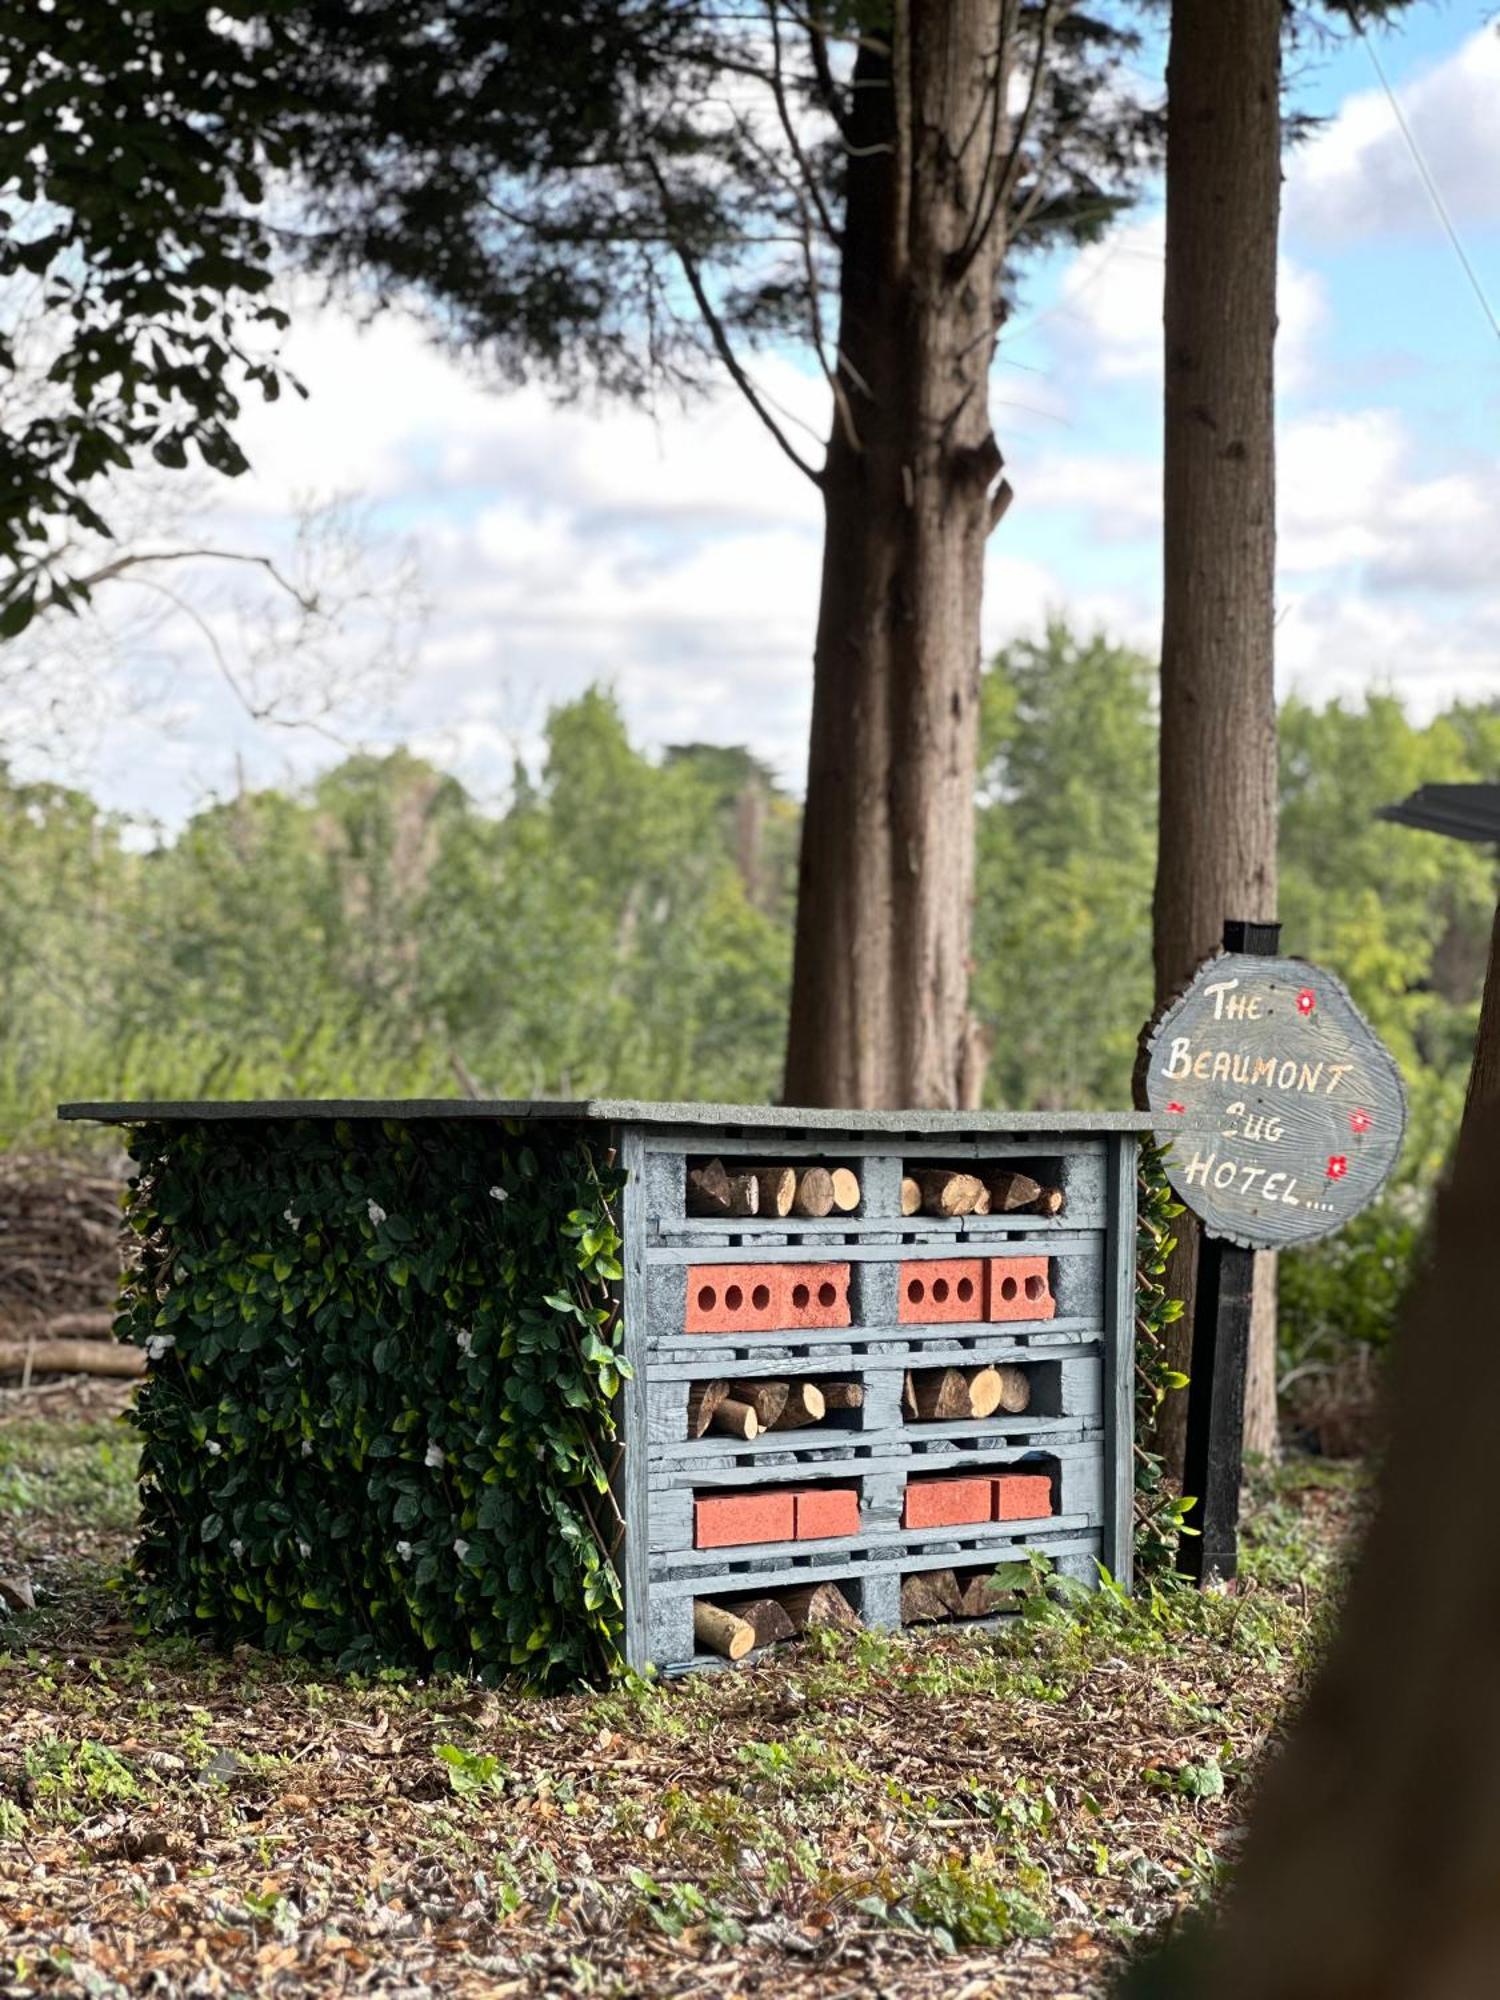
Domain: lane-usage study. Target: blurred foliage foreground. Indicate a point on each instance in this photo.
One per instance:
(624, 924)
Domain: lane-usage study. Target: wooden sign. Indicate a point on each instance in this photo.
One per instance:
(1284, 1110)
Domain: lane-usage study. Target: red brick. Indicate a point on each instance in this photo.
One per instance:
(823, 1511)
(761, 1298)
(723, 1520)
(947, 1503)
(732, 1298)
(813, 1295)
(934, 1290)
(1018, 1288)
(1022, 1496)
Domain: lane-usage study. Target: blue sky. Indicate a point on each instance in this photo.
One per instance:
(676, 556)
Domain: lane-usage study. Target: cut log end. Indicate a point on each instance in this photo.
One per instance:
(804, 1404)
(1010, 1191)
(704, 1399)
(778, 1189)
(911, 1195)
(930, 1595)
(814, 1196)
(767, 1619)
(720, 1631)
(766, 1398)
(818, 1606)
(737, 1419)
(845, 1190)
(949, 1194)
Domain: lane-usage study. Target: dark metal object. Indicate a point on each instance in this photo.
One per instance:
(1461, 812)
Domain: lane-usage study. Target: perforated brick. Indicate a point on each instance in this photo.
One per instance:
(947, 1503)
(813, 1295)
(1022, 1496)
(824, 1511)
(934, 1290)
(1018, 1288)
(725, 1520)
(731, 1298)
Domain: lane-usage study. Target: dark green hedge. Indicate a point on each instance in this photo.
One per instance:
(380, 1420)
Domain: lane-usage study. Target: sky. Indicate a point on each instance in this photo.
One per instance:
(521, 552)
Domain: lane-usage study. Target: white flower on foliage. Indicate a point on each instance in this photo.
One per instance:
(499, 1194)
(236, 1549)
(375, 1212)
(293, 1221)
(307, 1447)
(465, 1340)
(213, 1448)
(434, 1455)
(461, 1549)
(160, 1344)
(404, 1550)
(304, 1549)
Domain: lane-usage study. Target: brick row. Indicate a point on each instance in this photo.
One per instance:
(764, 1298)
(958, 1500)
(785, 1514)
(936, 1292)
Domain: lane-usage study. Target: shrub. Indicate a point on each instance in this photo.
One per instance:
(380, 1423)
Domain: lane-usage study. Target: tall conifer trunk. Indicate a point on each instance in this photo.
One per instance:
(880, 992)
(1217, 853)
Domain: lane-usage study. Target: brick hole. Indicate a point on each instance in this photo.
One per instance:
(1035, 1288)
(800, 1297)
(940, 1289)
(1008, 1288)
(966, 1289)
(760, 1298)
(734, 1298)
(827, 1294)
(916, 1291)
(708, 1298)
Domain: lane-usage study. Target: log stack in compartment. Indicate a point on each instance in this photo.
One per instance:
(949, 1395)
(775, 1193)
(747, 1409)
(733, 1630)
(950, 1194)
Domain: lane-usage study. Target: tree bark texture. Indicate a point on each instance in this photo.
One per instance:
(1484, 1075)
(1217, 842)
(880, 989)
(1374, 1845)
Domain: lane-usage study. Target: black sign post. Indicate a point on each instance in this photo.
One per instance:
(1284, 1114)
(1214, 1456)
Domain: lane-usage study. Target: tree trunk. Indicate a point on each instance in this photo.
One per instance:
(1374, 1843)
(880, 1007)
(1217, 841)
(1484, 1075)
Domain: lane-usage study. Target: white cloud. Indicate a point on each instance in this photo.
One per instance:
(1357, 178)
(1108, 312)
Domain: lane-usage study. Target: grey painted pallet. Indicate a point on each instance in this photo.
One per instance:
(1073, 1431)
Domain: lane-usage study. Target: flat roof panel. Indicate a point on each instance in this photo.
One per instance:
(607, 1110)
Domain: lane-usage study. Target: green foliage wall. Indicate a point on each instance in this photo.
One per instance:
(380, 1420)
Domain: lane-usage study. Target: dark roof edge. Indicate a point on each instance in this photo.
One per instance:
(608, 1110)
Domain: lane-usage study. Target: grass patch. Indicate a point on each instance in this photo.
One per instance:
(56, 1468)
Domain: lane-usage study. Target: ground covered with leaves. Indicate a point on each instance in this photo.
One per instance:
(969, 1815)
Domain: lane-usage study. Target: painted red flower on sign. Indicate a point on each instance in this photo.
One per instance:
(1359, 1121)
(1338, 1166)
(1306, 1000)
(1175, 1106)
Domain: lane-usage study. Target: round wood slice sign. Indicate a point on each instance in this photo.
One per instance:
(1283, 1109)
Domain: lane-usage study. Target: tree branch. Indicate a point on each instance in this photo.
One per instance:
(985, 212)
(720, 337)
(122, 565)
(788, 125)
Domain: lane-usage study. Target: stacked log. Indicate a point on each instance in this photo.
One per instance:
(777, 1191)
(61, 1250)
(950, 1193)
(732, 1631)
(746, 1409)
(949, 1395)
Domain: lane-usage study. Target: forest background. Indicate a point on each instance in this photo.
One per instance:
(621, 924)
